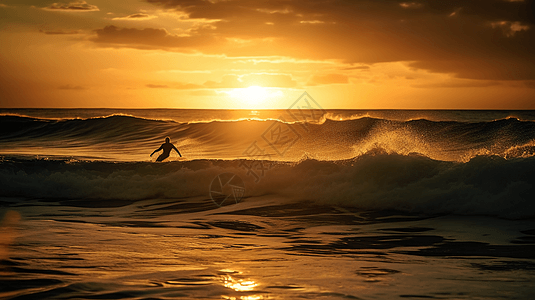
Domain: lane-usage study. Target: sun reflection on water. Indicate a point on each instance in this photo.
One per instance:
(254, 297)
(239, 285)
(231, 279)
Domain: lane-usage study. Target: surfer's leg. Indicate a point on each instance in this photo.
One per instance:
(162, 157)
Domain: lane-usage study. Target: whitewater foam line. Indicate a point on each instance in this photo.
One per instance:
(485, 185)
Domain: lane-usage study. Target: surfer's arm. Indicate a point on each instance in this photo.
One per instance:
(156, 150)
(177, 151)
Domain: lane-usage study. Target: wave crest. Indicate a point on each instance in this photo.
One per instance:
(485, 185)
(128, 138)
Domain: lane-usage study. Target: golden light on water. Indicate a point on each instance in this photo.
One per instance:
(7, 232)
(239, 285)
(231, 280)
(254, 297)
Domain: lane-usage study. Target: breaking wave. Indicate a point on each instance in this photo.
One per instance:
(485, 185)
(420, 166)
(128, 138)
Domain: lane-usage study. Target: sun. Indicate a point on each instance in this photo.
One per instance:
(253, 96)
(256, 92)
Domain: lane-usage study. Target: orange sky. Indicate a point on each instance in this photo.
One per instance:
(360, 54)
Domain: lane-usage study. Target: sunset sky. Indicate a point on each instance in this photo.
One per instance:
(358, 54)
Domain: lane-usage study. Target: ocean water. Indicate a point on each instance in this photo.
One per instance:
(267, 204)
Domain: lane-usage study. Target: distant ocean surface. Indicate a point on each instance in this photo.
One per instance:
(267, 204)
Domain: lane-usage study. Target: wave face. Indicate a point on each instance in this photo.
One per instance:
(129, 138)
(485, 185)
(435, 165)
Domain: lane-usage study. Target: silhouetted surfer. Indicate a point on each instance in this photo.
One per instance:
(166, 147)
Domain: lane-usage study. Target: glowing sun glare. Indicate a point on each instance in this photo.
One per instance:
(253, 95)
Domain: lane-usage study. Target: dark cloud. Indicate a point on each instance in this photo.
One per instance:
(148, 38)
(136, 17)
(72, 6)
(476, 39)
(458, 83)
(491, 10)
(333, 9)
